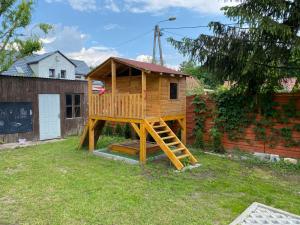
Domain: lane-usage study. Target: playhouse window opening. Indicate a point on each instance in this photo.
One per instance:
(173, 91)
(125, 72)
(73, 106)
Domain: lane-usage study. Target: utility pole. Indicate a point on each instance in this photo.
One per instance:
(157, 35)
(154, 45)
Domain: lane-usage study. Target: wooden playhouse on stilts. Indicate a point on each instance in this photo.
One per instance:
(144, 95)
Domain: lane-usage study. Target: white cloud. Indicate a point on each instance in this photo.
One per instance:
(83, 5)
(111, 5)
(150, 6)
(80, 5)
(144, 58)
(174, 67)
(48, 40)
(154, 6)
(93, 56)
(64, 38)
(111, 26)
(148, 59)
(72, 42)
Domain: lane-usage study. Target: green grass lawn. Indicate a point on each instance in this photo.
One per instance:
(56, 184)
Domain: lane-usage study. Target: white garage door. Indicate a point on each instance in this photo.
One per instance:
(49, 116)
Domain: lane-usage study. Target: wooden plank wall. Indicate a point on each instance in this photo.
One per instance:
(249, 142)
(172, 107)
(153, 106)
(128, 84)
(158, 103)
(20, 89)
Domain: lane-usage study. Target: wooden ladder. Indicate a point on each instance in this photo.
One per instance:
(170, 143)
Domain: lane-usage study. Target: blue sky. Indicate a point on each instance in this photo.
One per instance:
(93, 30)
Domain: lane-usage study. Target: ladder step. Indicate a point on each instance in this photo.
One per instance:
(168, 137)
(173, 143)
(178, 150)
(163, 132)
(159, 126)
(183, 156)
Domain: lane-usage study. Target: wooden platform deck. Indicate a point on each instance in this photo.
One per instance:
(133, 147)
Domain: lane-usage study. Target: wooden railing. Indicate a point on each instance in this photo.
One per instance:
(122, 106)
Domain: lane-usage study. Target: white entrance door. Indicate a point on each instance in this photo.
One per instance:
(49, 116)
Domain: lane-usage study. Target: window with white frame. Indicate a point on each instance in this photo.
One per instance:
(63, 74)
(52, 73)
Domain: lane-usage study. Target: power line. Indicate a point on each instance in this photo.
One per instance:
(169, 32)
(134, 38)
(179, 28)
(193, 27)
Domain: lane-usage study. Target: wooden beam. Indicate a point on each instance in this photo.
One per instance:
(166, 118)
(183, 131)
(130, 71)
(91, 136)
(90, 92)
(115, 119)
(175, 117)
(136, 128)
(94, 124)
(143, 144)
(181, 123)
(144, 89)
(113, 85)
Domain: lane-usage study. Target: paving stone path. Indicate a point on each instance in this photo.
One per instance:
(259, 214)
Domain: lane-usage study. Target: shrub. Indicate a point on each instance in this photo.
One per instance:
(108, 130)
(217, 140)
(127, 131)
(199, 139)
(119, 130)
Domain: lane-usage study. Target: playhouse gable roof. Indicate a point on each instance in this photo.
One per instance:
(148, 67)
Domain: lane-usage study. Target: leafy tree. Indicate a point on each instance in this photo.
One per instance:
(256, 52)
(15, 17)
(208, 79)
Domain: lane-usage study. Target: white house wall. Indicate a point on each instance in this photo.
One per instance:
(57, 62)
(35, 69)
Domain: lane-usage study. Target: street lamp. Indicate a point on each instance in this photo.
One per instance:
(157, 35)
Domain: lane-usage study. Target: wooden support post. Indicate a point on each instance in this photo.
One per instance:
(90, 121)
(90, 92)
(136, 129)
(183, 130)
(144, 94)
(113, 86)
(143, 144)
(91, 136)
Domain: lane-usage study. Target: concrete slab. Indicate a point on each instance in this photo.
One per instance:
(115, 157)
(190, 167)
(259, 214)
(26, 144)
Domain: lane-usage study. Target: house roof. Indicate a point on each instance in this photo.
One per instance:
(81, 67)
(43, 56)
(140, 66)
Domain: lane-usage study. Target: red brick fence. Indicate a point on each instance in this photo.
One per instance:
(248, 143)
